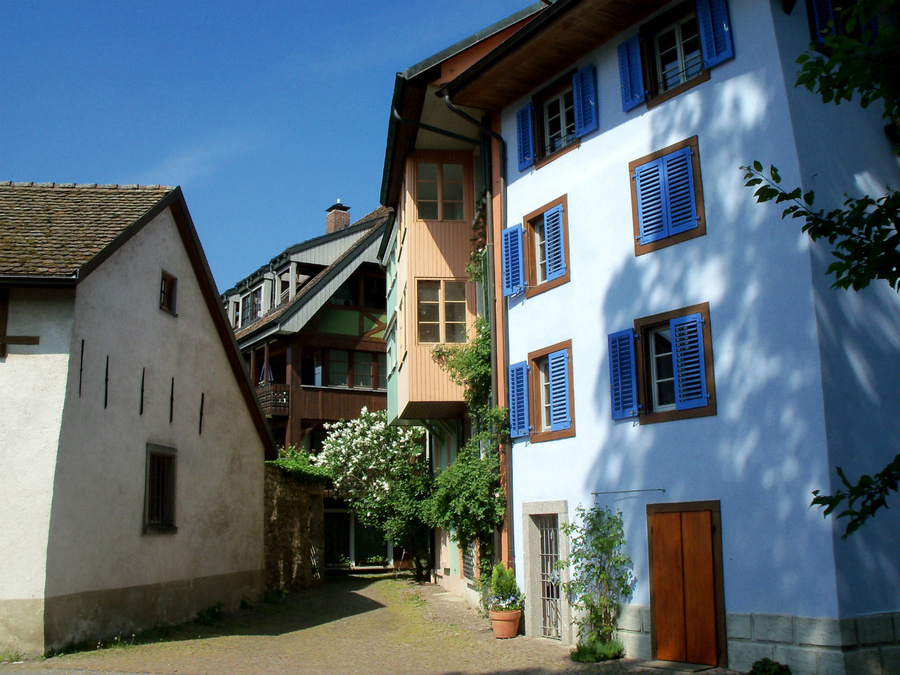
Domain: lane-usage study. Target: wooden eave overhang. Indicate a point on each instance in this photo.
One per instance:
(543, 48)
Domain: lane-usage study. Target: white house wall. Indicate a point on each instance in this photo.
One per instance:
(98, 554)
(858, 332)
(765, 450)
(32, 391)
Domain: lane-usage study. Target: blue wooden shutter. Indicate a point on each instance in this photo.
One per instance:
(823, 20)
(558, 368)
(518, 400)
(553, 239)
(688, 361)
(631, 73)
(678, 185)
(584, 92)
(651, 203)
(622, 375)
(513, 260)
(715, 32)
(525, 136)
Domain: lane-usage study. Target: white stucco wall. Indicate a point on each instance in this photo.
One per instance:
(858, 332)
(96, 539)
(766, 449)
(32, 390)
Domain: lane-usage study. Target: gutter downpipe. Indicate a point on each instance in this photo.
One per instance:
(510, 553)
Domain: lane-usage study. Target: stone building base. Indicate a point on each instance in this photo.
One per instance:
(864, 645)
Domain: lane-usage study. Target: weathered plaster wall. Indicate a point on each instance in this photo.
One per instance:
(32, 390)
(765, 450)
(96, 541)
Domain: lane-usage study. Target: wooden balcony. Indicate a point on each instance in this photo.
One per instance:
(334, 403)
(275, 399)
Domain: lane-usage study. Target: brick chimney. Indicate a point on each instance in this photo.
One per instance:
(338, 217)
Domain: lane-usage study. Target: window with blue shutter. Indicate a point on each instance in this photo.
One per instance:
(584, 94)
(687, 361)
(828, 19)
(518, 400)
(622, 375)
(662, 370)
(631, 73)
(715, 32)
(667, 197)
(555, 262)
(558, 367)
(513, 260)
(823, 20)
(525, 136)
(680, 46)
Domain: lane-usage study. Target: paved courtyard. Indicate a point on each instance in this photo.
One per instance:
(353, 625)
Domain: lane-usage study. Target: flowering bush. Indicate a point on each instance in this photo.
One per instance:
(384, 475)
(503, 594)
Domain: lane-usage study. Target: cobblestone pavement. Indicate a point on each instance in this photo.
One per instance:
(353, 626)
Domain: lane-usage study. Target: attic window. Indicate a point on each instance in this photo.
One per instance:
(167, 288)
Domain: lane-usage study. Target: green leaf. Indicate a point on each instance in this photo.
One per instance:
(757, 166)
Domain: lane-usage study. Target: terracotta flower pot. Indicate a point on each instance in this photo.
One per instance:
(505, 624)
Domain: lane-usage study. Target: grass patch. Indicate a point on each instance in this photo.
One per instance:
(9, 656)
(592, 652)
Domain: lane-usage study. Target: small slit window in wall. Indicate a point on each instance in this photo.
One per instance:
(159, 501)
(168, 286)
(662, 370)
(667, 197)
(557, 117)
(674, 52)
(541, 395)
(535, 254)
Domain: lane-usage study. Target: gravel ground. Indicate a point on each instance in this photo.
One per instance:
(352, 625)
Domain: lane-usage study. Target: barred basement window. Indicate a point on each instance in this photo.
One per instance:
(159, 500)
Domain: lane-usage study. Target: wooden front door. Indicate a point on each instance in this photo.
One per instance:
(686, 604)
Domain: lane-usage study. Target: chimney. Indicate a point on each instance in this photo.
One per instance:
(338, 217)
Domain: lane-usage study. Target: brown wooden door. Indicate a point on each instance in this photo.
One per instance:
(683, 591)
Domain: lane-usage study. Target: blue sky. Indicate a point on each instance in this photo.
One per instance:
(264, 112)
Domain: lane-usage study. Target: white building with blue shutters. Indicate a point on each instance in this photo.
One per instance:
(673, 350)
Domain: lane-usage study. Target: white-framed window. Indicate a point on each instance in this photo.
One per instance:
(677, 52)
(559, 120)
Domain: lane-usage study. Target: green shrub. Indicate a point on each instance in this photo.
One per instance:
(594, 651)
(504, 593)
(769, 667)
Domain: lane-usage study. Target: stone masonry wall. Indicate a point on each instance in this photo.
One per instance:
(294, 538)
(865, 645)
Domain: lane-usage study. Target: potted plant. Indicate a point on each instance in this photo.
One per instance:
(504, 602)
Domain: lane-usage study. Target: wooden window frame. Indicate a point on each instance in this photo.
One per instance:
(700, 230)
(648, 33)
(442, 319)
(642, 328)
(532, 287)
(442, 157)
(170, 456)
(538, 435)
(168, 292)
(559, 86)
(715, 509)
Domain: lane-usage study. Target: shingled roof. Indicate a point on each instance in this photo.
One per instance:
(54, 229)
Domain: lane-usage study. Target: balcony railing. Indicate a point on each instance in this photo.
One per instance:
(275, 399)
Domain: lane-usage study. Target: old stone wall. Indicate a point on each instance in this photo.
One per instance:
(294, 532)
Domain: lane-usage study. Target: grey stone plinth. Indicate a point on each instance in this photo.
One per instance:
(629, 618)
(773, 628)
(637, 645)
(890, 659)
(738, 626)
(862, 662)
(875, 629)
(825, 632)
(645, 619)
(798, 659)
(831, 663)
(742, 655)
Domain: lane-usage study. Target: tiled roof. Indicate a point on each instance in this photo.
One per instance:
(53, 229)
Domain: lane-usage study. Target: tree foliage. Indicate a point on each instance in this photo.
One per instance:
(383, 473)
(297, 464)
(859, 59)
(601, 577)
